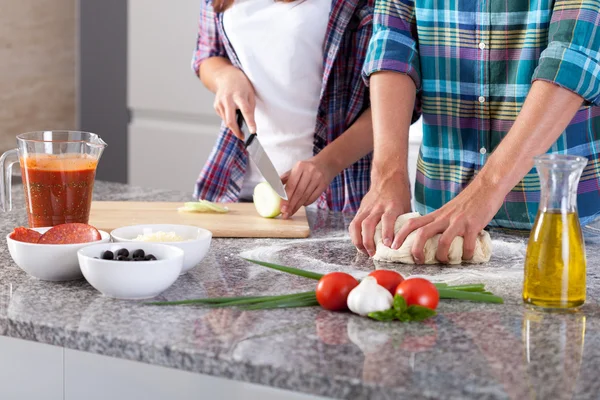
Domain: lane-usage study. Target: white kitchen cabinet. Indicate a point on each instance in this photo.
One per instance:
(30, 370)
(91, 376)
(173, 125)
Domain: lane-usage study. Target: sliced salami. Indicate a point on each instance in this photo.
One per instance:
(23, 234)
(70, 234)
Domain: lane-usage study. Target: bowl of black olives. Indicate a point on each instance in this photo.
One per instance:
(131, 271)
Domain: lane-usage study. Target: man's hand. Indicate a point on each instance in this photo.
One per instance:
(305, 183)
(466, 215)
(387, 199)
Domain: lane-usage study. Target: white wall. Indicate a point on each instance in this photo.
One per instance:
(173, 126)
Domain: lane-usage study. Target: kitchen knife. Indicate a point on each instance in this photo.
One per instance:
(261, 159)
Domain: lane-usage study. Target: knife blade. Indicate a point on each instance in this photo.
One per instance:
(261, 158)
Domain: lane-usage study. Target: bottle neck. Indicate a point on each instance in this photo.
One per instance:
(558, 190)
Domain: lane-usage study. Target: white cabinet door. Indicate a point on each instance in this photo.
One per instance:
(173, 126)
(91, 376)
(30, 370)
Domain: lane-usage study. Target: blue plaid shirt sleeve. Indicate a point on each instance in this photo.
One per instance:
(208, 42)
(572, 57)
(393, 46)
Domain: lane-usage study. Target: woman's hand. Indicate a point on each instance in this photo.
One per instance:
(234, 91)
(465, 215)
(305, 183)
(388, 198)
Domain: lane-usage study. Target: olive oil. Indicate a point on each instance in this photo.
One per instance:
(555, 265)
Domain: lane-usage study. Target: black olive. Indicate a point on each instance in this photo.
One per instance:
(123, 252)
(122, 258)
(139, 253)
(108, 255)
(139, 259)
(150, 257)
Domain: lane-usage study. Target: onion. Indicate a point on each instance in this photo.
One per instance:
(266, 201)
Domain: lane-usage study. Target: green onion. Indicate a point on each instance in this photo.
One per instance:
(289, 270)
(476, 287)
(227, 300)
(471, 296)
(290, 303)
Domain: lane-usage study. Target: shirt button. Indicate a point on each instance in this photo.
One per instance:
(482, 45)
(481, 99)
(482, 150)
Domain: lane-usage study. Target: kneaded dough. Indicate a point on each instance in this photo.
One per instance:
(483, 247)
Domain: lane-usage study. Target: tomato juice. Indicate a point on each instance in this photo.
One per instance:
(58, 188)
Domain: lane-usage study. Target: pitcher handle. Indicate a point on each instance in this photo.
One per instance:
(6, 166)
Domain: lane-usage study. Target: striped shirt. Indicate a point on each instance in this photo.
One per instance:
(473, 63)
(344, 97)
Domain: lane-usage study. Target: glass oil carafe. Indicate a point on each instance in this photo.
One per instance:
(555, 264)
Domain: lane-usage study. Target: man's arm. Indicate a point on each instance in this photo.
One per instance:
(392, 102)
(567, 75)
(392, 69)
(544, 116)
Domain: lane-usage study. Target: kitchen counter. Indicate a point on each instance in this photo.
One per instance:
(468, 351)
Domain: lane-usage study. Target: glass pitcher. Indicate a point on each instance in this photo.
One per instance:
(58, 170)
(555, 264)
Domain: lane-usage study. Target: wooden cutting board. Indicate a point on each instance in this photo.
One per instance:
(241, 221)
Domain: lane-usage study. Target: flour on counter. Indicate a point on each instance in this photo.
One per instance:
(506, 262)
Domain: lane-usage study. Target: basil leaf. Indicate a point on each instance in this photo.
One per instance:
(404, 317)
(399, 304)
(387, 315)
(419, 313)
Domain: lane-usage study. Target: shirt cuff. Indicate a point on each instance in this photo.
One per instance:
(572, 67)
(392, 51)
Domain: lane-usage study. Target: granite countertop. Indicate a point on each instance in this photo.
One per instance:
(468, 351)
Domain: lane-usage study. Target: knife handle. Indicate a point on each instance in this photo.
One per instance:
(241, 123)
(250, 139)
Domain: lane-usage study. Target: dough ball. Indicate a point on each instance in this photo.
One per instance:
(483, 247)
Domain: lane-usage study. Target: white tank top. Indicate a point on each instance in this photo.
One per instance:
(280, 48)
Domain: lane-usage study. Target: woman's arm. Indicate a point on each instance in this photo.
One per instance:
(308, 179)
(232, 90)
(211, 64)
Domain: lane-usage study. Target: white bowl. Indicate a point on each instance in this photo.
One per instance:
(131, 280)
(195, 245)
(49, 262)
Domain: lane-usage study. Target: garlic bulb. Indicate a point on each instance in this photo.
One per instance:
(369, 297)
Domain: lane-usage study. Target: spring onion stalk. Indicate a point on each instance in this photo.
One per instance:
(476, 287)
(289, 270)
(227, 300)
(470, 296)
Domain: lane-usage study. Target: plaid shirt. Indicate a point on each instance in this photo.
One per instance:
(344, 97)
(473, 63)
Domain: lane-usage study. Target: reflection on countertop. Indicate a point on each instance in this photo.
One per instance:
(467, 351)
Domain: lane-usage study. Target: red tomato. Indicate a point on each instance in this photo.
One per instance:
(388, 279)
(333, 290)
(419, 291)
